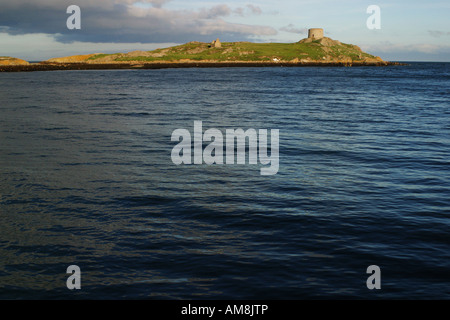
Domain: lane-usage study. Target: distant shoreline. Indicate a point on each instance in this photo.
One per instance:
(162, 65)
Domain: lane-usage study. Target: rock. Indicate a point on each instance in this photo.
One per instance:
(373, 60)
(345, 60)
(229, 50)
(138, 53)
(306, 40)
(328, 42)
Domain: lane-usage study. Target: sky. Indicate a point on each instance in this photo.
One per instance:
(36, 30)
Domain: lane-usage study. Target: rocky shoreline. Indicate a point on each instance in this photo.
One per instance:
(45, 66)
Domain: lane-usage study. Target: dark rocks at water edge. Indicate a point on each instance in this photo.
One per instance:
(118, 66)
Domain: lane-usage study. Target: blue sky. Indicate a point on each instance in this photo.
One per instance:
(36, 30)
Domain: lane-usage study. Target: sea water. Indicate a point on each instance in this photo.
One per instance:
(87, 179)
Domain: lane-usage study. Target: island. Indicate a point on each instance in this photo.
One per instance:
(10, 61)
(316, 50)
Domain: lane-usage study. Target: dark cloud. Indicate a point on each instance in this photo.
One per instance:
(119, 21)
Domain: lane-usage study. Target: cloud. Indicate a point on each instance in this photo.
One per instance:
(247, 10)
(157, 3)
(409, 52)
(438, 34)
(221, 10)
(254, 9)
(125, 21)
(291, 28)
(387, 46)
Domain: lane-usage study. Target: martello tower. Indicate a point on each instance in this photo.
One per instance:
(315, 33)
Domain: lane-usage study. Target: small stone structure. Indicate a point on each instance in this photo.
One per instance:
(315, 33)
(216, 43)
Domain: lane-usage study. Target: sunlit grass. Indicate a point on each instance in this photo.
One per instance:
(244, 51)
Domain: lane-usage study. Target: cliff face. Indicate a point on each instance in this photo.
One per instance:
(9, 61)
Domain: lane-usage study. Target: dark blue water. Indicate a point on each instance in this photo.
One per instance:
(364, 179)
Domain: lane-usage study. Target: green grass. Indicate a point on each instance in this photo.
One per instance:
(245, 51)
(101, 55)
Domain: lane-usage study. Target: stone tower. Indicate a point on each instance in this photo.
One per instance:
(216, 43)
(315, 33)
